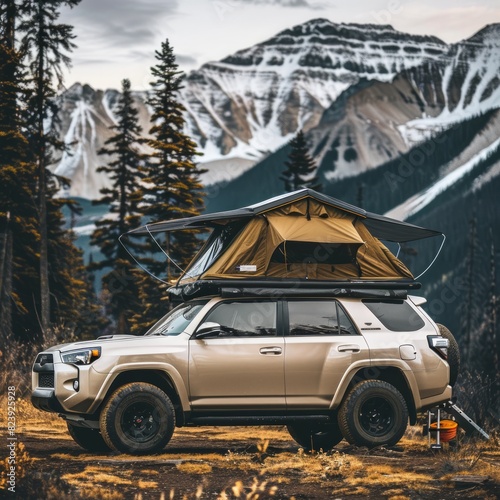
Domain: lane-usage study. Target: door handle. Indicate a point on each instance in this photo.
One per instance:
(348, 348)
(276, 351)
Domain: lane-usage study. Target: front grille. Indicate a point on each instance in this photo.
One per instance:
(46, 380)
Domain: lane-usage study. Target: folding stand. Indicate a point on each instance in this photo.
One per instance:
(468, 425)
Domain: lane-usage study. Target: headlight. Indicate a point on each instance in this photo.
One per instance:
(82, 356)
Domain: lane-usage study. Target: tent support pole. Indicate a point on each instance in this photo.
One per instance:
(433, 260)
(138, 263)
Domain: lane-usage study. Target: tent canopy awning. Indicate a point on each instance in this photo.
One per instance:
(381, 227)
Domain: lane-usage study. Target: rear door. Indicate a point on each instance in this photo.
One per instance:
(242, 365)
(321, 344)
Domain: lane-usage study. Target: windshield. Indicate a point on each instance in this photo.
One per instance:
(176, 321)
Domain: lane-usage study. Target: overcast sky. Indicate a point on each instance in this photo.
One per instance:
(117, 38)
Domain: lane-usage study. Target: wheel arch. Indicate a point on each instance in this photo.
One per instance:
(157, 378)
(392, 375)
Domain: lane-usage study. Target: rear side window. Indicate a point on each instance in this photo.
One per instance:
(318, 318)
(395, 315)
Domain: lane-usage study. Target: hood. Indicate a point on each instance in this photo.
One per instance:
(99, 342)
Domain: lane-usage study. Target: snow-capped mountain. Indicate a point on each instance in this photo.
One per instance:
(374, 122)
(364, 94)
(86, 117)
(252, 102)
(467, 83)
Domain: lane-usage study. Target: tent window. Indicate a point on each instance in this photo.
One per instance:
(318, 318)
(299, 252)
(218, 242)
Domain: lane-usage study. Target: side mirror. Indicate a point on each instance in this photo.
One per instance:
(208, 329)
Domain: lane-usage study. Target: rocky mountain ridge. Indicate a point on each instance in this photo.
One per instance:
(249, 104)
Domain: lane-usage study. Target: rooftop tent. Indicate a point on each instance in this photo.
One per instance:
(303, 234)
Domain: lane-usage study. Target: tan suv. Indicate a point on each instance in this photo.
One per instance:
(327, 363)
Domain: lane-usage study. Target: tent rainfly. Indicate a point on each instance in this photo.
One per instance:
(300, 235)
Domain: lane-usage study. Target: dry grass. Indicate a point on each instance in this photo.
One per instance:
(312, 467)
(272, 434)
(102, 482)
(194, 468)
(389, 477)
(253, 492)
(23, 463)
(261, 454)
(471, 458)
(31, 421)
(17, 358)
(93, 475)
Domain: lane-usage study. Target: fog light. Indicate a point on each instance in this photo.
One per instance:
(76, 385)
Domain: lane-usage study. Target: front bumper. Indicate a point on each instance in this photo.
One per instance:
(45, 399)
(54, 388)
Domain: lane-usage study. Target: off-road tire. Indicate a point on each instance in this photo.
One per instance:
(453, 353)
(316, 437)
(374, 413)
(138, 419)
(89, 439)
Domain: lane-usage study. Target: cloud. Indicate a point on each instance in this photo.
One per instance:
(429, 20)
(183, 59)
(287, 3)
(124, 23)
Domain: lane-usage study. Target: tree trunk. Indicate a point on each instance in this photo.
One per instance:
(10, 23)
(42, 186)
(6, 284)
(44, 257)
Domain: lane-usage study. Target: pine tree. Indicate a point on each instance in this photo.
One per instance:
(173, 189)
(46, 44)
(92, 321)
(19, 207)
(19, 236)
(300, 166)
(470, 310)
(123, 198)
(491, 344)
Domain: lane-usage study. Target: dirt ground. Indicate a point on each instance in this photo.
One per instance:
(247, 463)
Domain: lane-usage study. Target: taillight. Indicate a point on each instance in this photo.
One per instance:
(439, 344)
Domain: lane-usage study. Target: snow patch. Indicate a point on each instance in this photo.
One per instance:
(416, 203)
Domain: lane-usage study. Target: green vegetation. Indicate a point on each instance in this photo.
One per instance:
(300, 166)
(123, 198)
(44, 285)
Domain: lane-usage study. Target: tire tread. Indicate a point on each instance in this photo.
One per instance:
(107, 427)
(453, 353)
(345, 414)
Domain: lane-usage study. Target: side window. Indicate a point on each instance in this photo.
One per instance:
(345, 324)
(323, 317)
(244, 319)
(395, 315)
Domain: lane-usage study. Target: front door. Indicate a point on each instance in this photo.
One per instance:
(240, 366)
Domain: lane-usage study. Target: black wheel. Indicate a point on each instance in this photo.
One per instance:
(316, 436)
(373, 414)
(453, 353)
(89, 439)
(138, 418)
